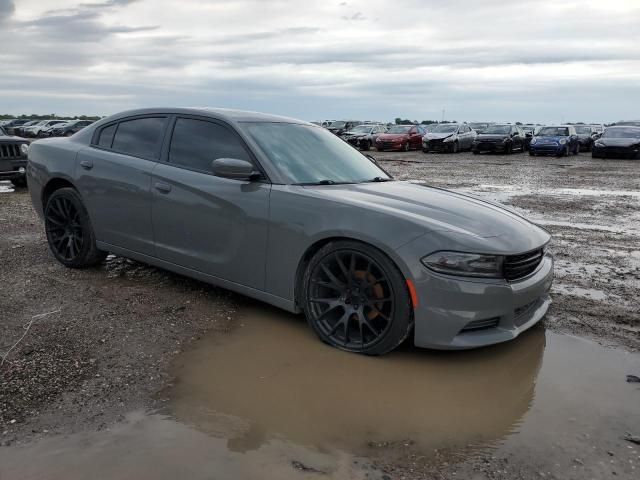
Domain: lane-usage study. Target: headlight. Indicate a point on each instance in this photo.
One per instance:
(562, 141)
(449, 139)
(505, 139)
(465, 264)
(24, 148)
(599, 144)
(534, 141)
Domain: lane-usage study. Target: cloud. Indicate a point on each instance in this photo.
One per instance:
(414, 60)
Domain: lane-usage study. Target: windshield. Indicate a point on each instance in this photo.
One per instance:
(445, 128)
(308, 154)
(361, 129)
(498, 129)
(478, 126)
(337, 125)
(621, 133)
(399, 129)
(553, 132)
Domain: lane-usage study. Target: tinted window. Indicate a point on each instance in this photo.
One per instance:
(196, 143)
(140, 137)
(106, 136)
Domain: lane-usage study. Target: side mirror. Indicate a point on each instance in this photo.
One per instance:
(234, 168)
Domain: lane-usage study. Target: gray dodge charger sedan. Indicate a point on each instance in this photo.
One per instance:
(284, 211)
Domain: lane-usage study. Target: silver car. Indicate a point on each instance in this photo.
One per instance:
(448, 137)
(283, 211)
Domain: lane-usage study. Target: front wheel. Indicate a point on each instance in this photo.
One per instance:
(69, 231)
(406, 147)
(455, 147)
(356, 299)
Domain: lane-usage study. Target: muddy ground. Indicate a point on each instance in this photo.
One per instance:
(122, 338)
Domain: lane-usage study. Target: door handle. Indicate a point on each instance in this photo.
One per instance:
(86, 164)
(162, 187)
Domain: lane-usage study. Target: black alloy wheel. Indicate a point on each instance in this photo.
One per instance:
(356, 299)
(69, 232)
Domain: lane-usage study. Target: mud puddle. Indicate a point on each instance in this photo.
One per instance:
(271, 401)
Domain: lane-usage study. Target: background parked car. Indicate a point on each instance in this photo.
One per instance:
(556, 140)
(364, 136)
(13, 158)
(529, 132)
(19, 130)
(69, 128)
(36, 130)
(623, 141)
(479, 127)
(11, 125)
(341, 126)
(504, 138)
(585, 137)
(400, 137)
(448, 137)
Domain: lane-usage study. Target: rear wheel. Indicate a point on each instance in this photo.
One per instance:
(356, 299)
(69, 231)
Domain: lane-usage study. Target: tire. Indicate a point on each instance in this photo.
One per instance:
(508, 150)
(380, 149)
(475, 152)
(344, 306)
(69, 231)
(531, 154)
(425, 150)
(455, 147)
(406, 146)
(367, 145)
(20, 182)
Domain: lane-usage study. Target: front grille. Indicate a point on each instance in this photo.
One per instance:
(519, 266)
(389, 145)
(481, 325)
(486, 145)
(10, 150)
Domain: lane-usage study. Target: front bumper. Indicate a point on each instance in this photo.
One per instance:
(482, 147)
(547, 148)
(456, 313)
(615, 152)
(387, 145)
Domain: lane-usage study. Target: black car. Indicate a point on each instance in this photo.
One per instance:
(622, 142)
(13, 159)
(69, 128)
(505, 138)
(529, 132)
(585, 137)
(341, 126)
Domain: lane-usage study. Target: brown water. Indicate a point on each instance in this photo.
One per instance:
(270, 400)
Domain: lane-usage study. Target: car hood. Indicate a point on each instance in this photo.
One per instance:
(437, 135)
(393, 136)
(489, 136)
(12, 139)
(619, 142)
(437, 210)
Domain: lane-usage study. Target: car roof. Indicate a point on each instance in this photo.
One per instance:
(230, 115)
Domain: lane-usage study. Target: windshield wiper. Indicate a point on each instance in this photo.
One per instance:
(378, 179)
(320, 182)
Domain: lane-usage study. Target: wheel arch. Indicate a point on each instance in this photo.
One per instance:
(318, 244)
(52, 185)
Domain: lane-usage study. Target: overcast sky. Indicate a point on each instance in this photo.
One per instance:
(524, 60)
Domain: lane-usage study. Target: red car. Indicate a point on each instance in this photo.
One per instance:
(401, 137)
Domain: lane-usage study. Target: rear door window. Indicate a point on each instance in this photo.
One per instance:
(140, 137)
(196, 143)
(106, 136)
